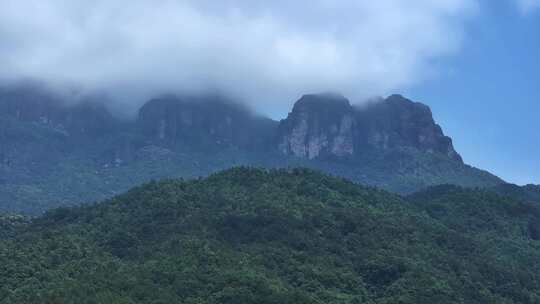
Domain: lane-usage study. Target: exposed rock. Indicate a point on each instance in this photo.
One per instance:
(318, 125)
(344, 142)
(398, 122)
(31, 103)
(208, 122)
(327, 124)
(86, 117)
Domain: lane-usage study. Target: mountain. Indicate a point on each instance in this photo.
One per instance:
(277, 236)
(61, 149)
(319, 125)
(207, 123)
(326, 124)
(527, 193)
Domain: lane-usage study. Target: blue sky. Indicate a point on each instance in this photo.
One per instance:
(487, 96)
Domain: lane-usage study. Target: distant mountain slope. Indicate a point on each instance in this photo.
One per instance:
(527, 193)
(279, 236)
(56, 152)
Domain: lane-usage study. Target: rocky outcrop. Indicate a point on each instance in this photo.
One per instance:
(207, 122)
(87, 117)
(326, 124)
(31, 104)
(318, 125)
(397, 122)
(39, 126)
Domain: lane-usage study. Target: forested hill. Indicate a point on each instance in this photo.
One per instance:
(528, 193)
(276, 236)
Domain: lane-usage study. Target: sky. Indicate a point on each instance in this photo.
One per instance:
(473, 61)
(487, 97)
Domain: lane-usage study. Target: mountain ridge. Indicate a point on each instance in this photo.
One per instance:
(329, 124)
(80, 152)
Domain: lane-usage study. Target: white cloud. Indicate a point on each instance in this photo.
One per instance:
(526, 6)
(265, 51)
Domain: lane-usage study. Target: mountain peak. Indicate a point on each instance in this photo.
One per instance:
(328, 103)
(211, 121)
(402, 103)
(398, 98)
(405, 122)
(319, 124)
(326, 124)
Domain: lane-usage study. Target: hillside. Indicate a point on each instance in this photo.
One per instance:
(59, 151)
(527, 193)
(277, 236)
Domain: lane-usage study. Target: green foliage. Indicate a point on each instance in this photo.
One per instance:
(276, 236)
(527, 193)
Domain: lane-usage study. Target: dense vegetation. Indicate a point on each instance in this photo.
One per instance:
(276, 236)
(528, 193)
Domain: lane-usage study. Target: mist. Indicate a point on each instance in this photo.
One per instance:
(263, 53)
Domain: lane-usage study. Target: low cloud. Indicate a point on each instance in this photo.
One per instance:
(264, 52)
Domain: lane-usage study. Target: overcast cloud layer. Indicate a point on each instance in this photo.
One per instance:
(265, 52)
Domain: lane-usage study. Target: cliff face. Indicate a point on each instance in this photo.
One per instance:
(208, 121)
(328, 125)
(40, 129)
(318, 125)
(31, 104)
(399, 122)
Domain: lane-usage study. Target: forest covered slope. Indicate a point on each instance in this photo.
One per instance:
(276, 236)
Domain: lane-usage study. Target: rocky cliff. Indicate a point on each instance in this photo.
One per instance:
(326, 124)
(318, 125)
(37, 105)
(208, 122)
